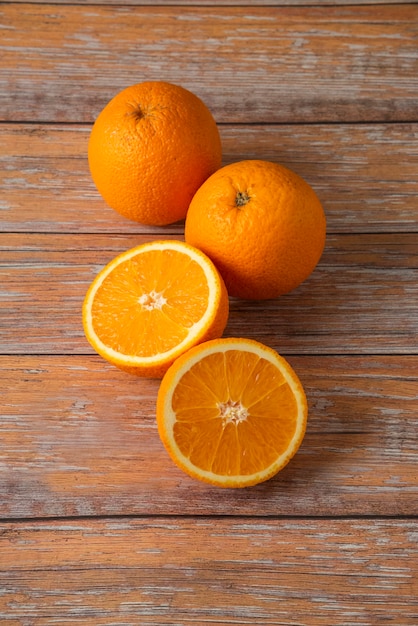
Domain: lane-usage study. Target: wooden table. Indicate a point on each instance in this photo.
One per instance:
(97, 525)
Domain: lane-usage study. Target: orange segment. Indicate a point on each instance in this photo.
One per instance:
(231, 412)
(152, 303)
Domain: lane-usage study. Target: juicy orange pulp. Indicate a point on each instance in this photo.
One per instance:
(152, 303)
(231, 412)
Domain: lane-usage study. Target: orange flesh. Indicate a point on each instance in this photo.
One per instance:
(163, 303)
(235, 413)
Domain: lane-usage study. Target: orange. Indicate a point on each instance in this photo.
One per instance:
(151, 304)
(261, 224)
(231, 412)
(150, 149)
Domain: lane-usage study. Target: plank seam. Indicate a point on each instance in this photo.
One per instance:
(219, 516)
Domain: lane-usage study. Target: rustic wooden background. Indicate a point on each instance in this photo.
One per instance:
(96, 524)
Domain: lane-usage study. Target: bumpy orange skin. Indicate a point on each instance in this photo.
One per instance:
(150, 149)
(261, 224)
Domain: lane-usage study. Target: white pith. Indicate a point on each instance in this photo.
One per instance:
(152, 300)
(232, 412)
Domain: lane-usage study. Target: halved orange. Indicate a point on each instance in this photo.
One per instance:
(152, 303)
(231, 412)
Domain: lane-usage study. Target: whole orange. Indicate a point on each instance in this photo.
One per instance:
(150, 149)
(261, 224)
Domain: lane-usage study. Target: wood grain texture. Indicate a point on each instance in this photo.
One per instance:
(82, 440)
(365, 175)
(361, 298)
(316, 572)
(241, 3)
(97, 526)
(249, 64)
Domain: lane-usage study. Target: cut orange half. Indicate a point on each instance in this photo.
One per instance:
(231, 412)
(152, 303)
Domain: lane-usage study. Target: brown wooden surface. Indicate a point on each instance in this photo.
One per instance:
(82, 440)
(96, 524)
(258, 64)
(233, 572)
(365, 174)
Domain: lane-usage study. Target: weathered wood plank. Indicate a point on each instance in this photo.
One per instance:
(249, 64)
(241, 3)
(210, 571)
(79, 438)
(365, 175)
(362, 297)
